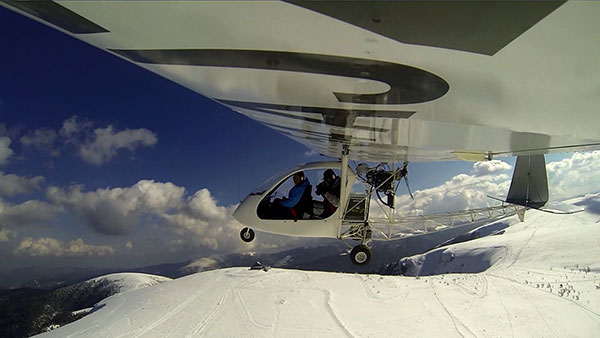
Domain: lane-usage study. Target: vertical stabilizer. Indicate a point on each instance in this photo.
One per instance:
(529, 186)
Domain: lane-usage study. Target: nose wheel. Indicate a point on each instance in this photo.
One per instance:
(247, 235)
(360, 255)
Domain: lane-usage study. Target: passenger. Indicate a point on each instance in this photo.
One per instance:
(329, 188)
(283, 208)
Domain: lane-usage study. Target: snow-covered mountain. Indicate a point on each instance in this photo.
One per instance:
(33, 311)
(539, 278)
(332, 256)
(127, 281)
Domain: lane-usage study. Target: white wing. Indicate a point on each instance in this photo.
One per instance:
(394, 81)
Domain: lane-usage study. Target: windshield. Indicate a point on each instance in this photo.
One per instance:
(270, 182)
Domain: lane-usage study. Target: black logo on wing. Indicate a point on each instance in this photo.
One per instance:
(407, 84)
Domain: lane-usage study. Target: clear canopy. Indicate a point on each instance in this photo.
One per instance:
(271, 181)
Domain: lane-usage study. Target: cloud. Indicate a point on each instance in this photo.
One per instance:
(74, 126)
(203, 206)
(93, 145)
(42, 140)
(52, 247)
(11, 184)
(6, 235)
(105, 143)
(216, 235)
(310, 153)
(202, 264)
(117, 211)
(462, 192)
(5, 151)
(489, 167)
(574, 176)
(198, 219)
(28, 213)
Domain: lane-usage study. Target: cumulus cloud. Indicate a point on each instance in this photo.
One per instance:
(11, 184)
(74, 126)
(52, 247)
(105, 143)
(202, 206)
(6, 235)
(28, 213)
(574, 176)
(42, 140)
(459, 193)
(116, 211)
(197, 219)
(5, 151)
(93, 145)
(216, 235)
(489, 167)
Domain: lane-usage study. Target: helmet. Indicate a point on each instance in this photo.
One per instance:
(329, 173)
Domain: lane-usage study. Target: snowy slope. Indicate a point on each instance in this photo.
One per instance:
(127, 281)
(542, 280)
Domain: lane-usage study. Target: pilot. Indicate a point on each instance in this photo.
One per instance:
(329, 188)
(284, 208)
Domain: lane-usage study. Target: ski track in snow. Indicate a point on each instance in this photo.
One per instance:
(499, 294)
(595, 316)
(211, 315)
(333, 315)
(456, 322)
(248, 313)
(516, 257)
(170, 314)
(173, 313)
(537, 308)
(476, 295)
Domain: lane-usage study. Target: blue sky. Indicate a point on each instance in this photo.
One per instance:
(54, 77)
(117, 166)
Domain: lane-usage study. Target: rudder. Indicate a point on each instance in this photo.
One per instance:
(529, 186)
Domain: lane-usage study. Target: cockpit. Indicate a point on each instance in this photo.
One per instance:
(307, 213)
(300, 194)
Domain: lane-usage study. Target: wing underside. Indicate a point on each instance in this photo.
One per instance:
(392, 81)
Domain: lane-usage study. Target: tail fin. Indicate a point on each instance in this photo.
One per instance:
(529, 186)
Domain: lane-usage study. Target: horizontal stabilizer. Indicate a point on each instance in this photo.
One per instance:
(560, 208)
(529, 186)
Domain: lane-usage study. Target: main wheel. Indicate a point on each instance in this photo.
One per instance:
(247, 235)
(360, 255)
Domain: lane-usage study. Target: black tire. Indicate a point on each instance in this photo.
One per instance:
(360, 255)
(247, 235)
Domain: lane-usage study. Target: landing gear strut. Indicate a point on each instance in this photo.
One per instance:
(361, 254)
(247, 235)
